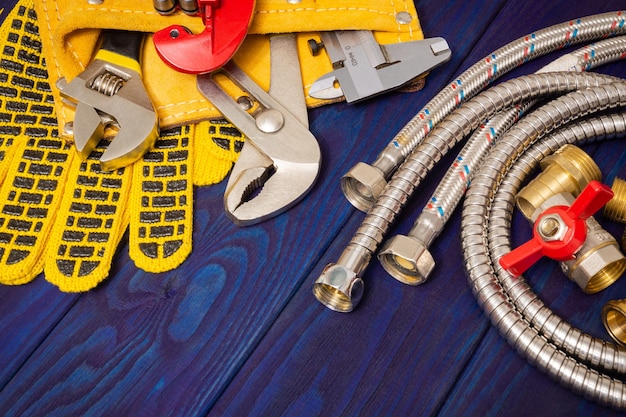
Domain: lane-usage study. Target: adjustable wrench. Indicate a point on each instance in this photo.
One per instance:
(110, 92)
(280, 159)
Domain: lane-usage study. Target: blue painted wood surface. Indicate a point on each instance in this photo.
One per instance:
(236, 331)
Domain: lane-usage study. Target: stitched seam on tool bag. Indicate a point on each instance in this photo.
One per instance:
(188, 112)
(326, 10)
(398, 25)
(124, 11)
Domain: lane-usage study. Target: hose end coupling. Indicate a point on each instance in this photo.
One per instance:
(362, 185)
(338, 288)
(614, 320)
(407, 259)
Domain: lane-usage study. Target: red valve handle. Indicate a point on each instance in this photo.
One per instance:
(567, 225)
(226, 24)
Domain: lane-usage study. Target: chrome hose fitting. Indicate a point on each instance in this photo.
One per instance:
(406, 258)
(614, 320)
(364, 183)
(599, 262)
(340, 287)
(568, 170)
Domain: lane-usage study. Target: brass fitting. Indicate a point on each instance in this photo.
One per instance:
(614, 320)
(616, 208)
(568, 170)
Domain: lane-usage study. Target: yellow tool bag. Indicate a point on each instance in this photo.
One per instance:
(63, 215)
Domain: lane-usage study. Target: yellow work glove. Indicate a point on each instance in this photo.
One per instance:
(64, 215)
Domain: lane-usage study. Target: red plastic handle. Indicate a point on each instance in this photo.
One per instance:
(226, 24)
(593, 197)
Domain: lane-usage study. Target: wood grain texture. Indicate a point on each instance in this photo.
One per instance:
(235, 330)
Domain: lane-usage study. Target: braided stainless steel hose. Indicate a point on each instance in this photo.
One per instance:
(363, 183)
(340, 285)
(548, 342)
(407, 257)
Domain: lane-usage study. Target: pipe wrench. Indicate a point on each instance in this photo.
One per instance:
(110, 92)
(280, 159)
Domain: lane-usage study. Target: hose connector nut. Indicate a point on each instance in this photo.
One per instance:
(338, 288)
(407, 259)
(362, 185)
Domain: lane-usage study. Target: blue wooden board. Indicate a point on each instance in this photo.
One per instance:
(236, 331)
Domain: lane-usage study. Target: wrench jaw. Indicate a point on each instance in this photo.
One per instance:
(260, 188)
(120, 154)
(127, 107)
(88, 129)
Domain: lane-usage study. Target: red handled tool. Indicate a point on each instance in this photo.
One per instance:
(560, 231)
(226, 23)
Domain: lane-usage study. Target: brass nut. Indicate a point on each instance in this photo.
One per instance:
(407, 259)
(362, 185)
(568, 170)
(602, 269)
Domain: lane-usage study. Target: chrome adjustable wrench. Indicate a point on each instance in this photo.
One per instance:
(280, 159)
(110, 92)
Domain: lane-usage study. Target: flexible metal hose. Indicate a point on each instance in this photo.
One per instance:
(472, 81)
(459, 124)
(407, 258)
(452, 130)
(598, 352)
(547, 341)
(451, 189)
